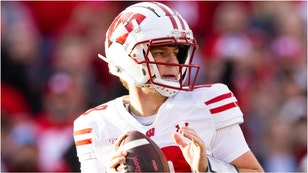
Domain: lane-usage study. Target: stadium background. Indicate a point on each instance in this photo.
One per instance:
(50, 74)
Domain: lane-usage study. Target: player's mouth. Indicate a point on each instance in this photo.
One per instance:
(169, 77)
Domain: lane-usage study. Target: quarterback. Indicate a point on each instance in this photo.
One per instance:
(150, 47)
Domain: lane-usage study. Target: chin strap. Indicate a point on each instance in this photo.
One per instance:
(165, 91)
(168, 92)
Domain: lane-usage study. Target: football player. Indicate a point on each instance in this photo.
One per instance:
(150, 47)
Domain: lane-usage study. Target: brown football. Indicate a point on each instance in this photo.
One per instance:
(144, 155)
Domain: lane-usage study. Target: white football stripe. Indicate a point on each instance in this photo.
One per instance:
(134, 144)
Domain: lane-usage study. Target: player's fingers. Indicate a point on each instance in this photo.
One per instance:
(178, 140)
(121, 168)
(118, 141)
(118, 154)
(187, 132)
(117, 158)
(191, 135)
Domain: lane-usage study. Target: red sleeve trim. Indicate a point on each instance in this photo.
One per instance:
(83, 131)
(83, 142)
(219, 98)
(223, 108)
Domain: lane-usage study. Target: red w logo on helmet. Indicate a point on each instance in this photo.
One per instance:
(122, 26)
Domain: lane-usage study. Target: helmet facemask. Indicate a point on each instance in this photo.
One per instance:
(167, 87)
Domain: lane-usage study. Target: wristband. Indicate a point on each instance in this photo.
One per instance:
(215, 165)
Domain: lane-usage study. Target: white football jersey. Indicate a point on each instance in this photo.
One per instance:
(205, 109)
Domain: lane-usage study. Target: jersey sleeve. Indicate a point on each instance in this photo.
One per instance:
(223, 106)
(229, 143)
(85, 132)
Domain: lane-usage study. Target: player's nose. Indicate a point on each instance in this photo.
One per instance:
(172, 58)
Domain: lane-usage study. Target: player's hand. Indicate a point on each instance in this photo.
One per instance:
(117, 158)
(195, 151)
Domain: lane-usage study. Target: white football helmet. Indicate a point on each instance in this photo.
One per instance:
(138, 28)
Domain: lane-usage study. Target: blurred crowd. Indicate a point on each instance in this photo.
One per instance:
(50, 74)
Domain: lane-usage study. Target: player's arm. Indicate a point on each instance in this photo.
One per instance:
(247, 163)
(84, 135)
(230, 146)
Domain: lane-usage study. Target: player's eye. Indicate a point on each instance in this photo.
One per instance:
(156, 53)
(164, 51)
(176, 52)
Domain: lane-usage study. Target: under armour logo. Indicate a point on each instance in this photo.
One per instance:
(182, 124)
(112, 140)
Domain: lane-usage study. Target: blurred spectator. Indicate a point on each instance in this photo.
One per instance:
(18, 132)
(77, 46)
(289, 48)
(13, 102)
(199, 14)
(64, 99)
(262, 57)
(21, 52)
(278, 150)
(22, 147)
(227, 51)
(50, 16)
(229, 42)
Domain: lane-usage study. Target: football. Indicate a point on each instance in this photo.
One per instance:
(143, 154)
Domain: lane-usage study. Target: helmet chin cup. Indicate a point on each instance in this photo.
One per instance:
(168, 89)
